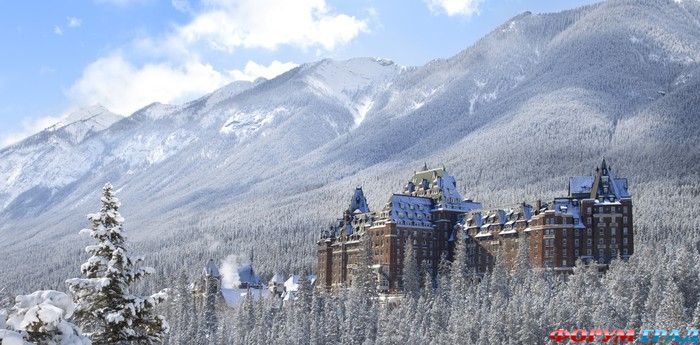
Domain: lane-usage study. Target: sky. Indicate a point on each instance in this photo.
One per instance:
(59, 56)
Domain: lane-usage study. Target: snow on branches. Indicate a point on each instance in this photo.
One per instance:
(40, 317)
(105, 306)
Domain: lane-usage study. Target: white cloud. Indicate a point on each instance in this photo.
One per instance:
(269, 24)
(74, 22)
(57, 30)
(182, 74)
(123, 88)
(181, 5)
(29, 127)
(254, 70)
(465, 8)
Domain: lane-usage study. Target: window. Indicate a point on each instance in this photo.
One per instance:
(589, 232)
(624, 240)
(589, 242)
(588, 210)
(576, 242)
(601, 254)
(590, 220)
(624, 231)
(601, 232)
(612, 241)
(563, 263)
(613, 231)
(624, 209)
(601, 242)
(576, 253)
(589, 252)
(624, 219)
(563, 242)
(624, 251)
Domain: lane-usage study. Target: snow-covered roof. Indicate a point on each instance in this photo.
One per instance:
(278, 278)
(580, 184)
(572, 207)
(358, 203)
(247, 275)
(407, 210)
(509, 231)
(438, 185)
(236, 296)
(292, 284)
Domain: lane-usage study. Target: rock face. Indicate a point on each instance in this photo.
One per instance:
(540, 98)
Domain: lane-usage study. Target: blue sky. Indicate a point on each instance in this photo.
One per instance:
(124, 54)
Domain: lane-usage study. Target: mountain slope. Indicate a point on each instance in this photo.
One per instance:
(264, 165)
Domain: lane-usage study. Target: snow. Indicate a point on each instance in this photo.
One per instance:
(292, 283)
(243, 124)
(48, 306)
(47, 309)
(580, 184)
(235, 296)
(11, 338)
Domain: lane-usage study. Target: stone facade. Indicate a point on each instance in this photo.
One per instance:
(592, 223)
(426, 212)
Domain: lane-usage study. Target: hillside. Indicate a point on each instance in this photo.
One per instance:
(264, 165)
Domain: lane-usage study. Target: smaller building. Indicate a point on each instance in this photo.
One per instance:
(592, 223)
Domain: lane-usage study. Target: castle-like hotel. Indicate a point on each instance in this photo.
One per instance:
(592, 223)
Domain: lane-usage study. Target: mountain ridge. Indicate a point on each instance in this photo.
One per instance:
(541, 97)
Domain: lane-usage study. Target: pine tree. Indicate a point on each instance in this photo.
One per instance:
(105, 306)
(41, 318)
(410, 275)
(671, 313)
(246, 317)
(365, 281)
(458, 269)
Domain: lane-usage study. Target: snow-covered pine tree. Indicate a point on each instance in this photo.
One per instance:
(458, 269)
(105, 306)
(246, 318)
(671, 313)
(41, 318)
(410, 276)
(364, 280)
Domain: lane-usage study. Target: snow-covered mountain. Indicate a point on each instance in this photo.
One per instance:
(540, 98)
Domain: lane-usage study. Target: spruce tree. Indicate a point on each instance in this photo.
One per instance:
(41, 318)
(671, 313)
(459, 266)
(105, 306)
(410, 275)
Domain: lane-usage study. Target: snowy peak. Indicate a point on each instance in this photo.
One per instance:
(155, 111)
(84, 121)
(354, 83)
(349, 76)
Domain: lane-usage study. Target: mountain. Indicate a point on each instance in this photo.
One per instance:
(49, 158)
(264, 165)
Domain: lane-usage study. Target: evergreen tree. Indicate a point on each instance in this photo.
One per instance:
(410, 275)
(459, 267)
(671, 313)
(364, 280)
(246, 319)
(41, 318)
(105, 306)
